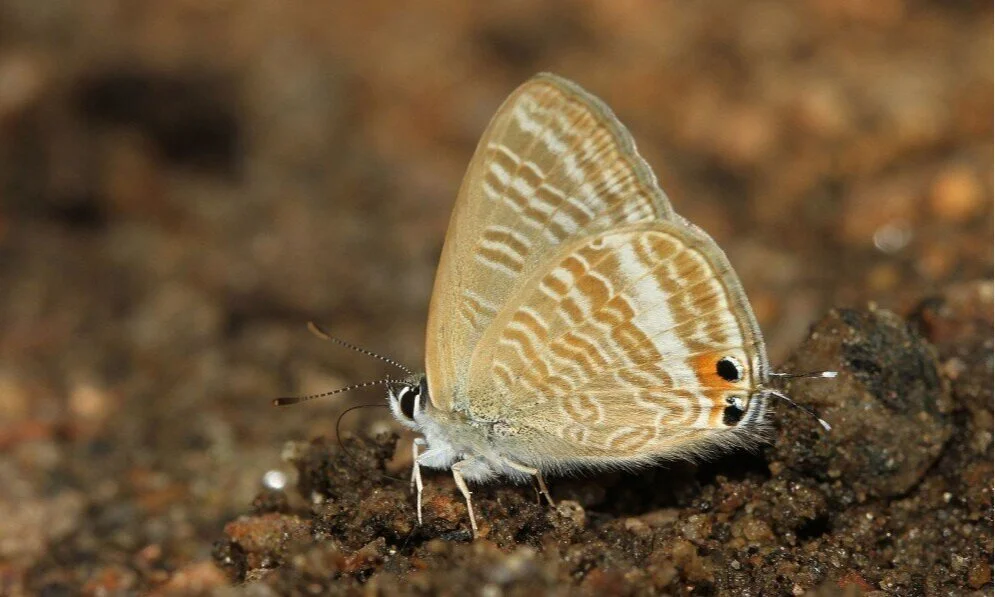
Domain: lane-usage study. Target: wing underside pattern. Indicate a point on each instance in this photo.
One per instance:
(554, 165)
(571, 298)
(615, 343)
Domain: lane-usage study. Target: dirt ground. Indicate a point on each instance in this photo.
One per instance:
(184, 184)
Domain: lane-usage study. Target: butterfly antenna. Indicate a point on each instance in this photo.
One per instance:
(317, 331)
(804, 409)
(289, 400)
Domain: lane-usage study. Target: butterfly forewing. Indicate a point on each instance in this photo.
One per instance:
(554, 165)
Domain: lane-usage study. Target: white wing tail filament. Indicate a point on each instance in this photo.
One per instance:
(807, 375)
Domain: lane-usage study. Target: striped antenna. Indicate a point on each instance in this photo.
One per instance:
(289, 400)
(317, 331)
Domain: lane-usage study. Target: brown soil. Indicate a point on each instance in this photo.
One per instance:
(184, 184)
(896, 498)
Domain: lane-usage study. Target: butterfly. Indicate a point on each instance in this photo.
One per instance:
(576, 322)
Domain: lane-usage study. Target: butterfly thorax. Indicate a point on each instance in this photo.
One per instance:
(452, 435)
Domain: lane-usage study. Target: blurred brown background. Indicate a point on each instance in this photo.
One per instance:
(184, 184)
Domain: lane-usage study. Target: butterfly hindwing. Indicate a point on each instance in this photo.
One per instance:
(614, 346)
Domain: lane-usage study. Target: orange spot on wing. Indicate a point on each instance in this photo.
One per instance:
(704, 368)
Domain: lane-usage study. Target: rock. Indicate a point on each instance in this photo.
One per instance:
(888, 407)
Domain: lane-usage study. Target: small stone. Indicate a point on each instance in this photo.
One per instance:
(694, 567)
(637, 527)
(367, 557)
(572, 511)
(696, 528)
(888, 406)
(979, 575)
(958, 562)
(757, 531)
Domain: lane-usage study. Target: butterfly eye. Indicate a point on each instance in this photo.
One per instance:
(729, 369)
(406, 399)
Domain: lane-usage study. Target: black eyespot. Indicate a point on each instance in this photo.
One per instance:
(734, 412)
(728, 368)
(406, 398)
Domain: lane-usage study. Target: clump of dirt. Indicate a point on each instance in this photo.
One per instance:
(890, 407)
(896, 498)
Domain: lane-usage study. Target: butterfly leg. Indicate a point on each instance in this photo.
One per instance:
(534, 472)
(461, 483)
(416, 484)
